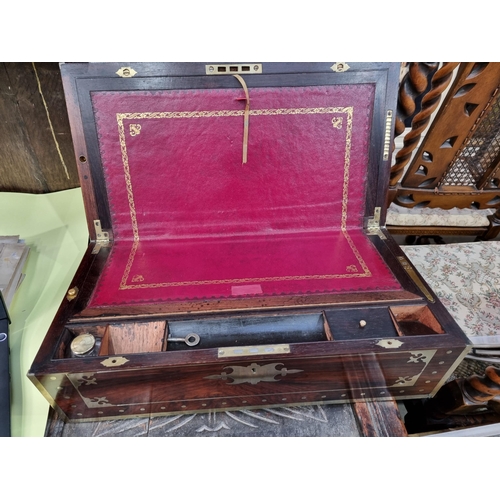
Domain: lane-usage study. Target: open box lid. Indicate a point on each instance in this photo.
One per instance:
(228, 182)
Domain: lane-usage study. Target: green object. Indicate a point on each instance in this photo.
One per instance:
(54, 226)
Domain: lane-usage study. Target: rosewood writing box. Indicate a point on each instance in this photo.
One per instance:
(238, 255)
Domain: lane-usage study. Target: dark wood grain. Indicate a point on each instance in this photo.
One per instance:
(36, 150)
(19, 166)
(379, 419)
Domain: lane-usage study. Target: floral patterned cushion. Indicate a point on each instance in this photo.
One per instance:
(466, 278)
(463, 217)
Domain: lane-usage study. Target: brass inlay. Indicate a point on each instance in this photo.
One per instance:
(232, 69)
(451, 369)
(72, 293)
(253, 374)
(81, 380)
(405, 381)
(228, 352)
(390, 343)
(126, 72)
(387, 137)
(115, 361)
(84, 378)
(417, 357)
(347, 111)
(340, 67)
(96, 402)
(420, 357)
(413, 275)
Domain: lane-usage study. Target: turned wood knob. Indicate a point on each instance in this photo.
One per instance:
(483, 388)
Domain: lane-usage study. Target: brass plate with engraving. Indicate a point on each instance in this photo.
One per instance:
(253, 350)
(233, 69)
(253, 374)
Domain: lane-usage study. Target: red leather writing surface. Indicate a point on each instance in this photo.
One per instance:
(190, 221)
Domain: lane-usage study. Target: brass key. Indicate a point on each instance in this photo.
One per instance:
(191, 339)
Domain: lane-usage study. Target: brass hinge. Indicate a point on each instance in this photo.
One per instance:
(101, 237)
(373, 226)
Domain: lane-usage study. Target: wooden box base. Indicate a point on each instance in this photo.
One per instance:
(301, 356)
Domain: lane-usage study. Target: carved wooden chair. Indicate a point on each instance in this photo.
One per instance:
(455, 168)
(470, 400)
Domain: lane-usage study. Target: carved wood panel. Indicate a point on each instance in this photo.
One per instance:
(430, 101)
(462, 142)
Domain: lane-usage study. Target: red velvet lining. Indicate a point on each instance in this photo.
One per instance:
(191, 222)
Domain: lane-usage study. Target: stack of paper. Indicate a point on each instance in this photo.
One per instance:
(13, 254)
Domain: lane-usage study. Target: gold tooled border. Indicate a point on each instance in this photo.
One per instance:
(120, 117)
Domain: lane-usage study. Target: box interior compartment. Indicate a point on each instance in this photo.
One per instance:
(377, 322)
(253, 330)
(249, 330)
(115, 338)
(415, 320)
